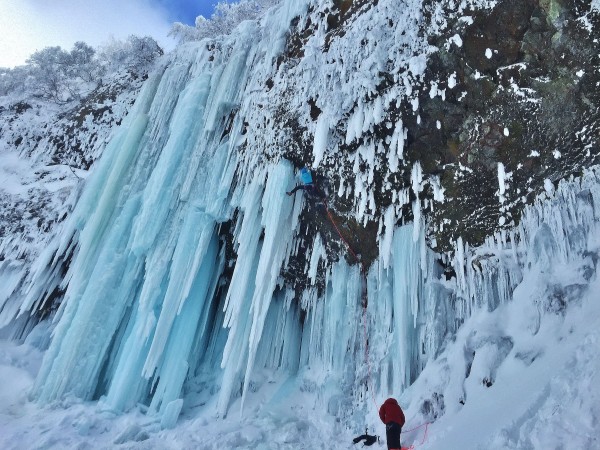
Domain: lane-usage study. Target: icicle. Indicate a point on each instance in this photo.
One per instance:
(320, 142)
(385, 243)
(318, 253)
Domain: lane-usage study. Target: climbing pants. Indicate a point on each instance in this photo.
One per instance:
(392, 434)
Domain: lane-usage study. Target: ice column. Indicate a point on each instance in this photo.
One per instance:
(333, 322)
(104, 277)
(407, 290)
(148, 260)
(408, 310)
(264, 238)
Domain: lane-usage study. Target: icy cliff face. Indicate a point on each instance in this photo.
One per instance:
(193, 271)
(46, 150)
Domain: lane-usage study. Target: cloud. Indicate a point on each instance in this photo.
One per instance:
(30, 25)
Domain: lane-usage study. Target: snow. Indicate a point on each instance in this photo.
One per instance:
(548, 186)
(397, 146)
(501, 182)
(525, 94)
(11, 168)
(456, 40)
(170, 337)
(585, 20)
(542, 394)
(452, 81)
(438, 190)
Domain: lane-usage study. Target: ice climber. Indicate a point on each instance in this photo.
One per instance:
(309, 187)
(391, 414)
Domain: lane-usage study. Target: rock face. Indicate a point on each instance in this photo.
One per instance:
(456, 114)
(525, 97)
(506, 106)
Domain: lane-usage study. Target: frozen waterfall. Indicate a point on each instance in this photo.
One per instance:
(157, 296)
(146, 306)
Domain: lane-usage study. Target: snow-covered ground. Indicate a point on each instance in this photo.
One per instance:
(294, 422)
(545, 393)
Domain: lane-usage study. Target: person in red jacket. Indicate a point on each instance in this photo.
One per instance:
(391, 414)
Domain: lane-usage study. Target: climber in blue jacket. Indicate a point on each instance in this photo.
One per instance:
(309, 186)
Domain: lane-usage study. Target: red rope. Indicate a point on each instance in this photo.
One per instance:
(362, 267)
(364, 299)
(425, 434)
(426, 425)
(364, 304)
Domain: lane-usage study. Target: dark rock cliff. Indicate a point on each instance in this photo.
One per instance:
(508, 106)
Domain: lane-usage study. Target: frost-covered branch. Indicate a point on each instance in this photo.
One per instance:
(61, 76)
(225, 18)
(136, 54)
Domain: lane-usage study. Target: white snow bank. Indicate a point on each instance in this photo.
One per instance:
(13, 173)
(544, 392)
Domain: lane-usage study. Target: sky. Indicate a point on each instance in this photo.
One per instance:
(30, 25)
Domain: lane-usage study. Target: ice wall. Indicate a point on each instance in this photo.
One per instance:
(143, 289)
(145, 306)
(146, 225)
(156, 298)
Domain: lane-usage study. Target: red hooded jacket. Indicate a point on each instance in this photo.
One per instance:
(390, 411)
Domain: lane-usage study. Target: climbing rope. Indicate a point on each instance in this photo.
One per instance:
(426, 425)
(348, 246)
(369, 382)
(364, 300)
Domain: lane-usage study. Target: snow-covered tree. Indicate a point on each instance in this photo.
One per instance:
(61, 76)
(225, 18)
(14, 80)
(136, 54)
(83, 63)
(50, 73)
(143, 51)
